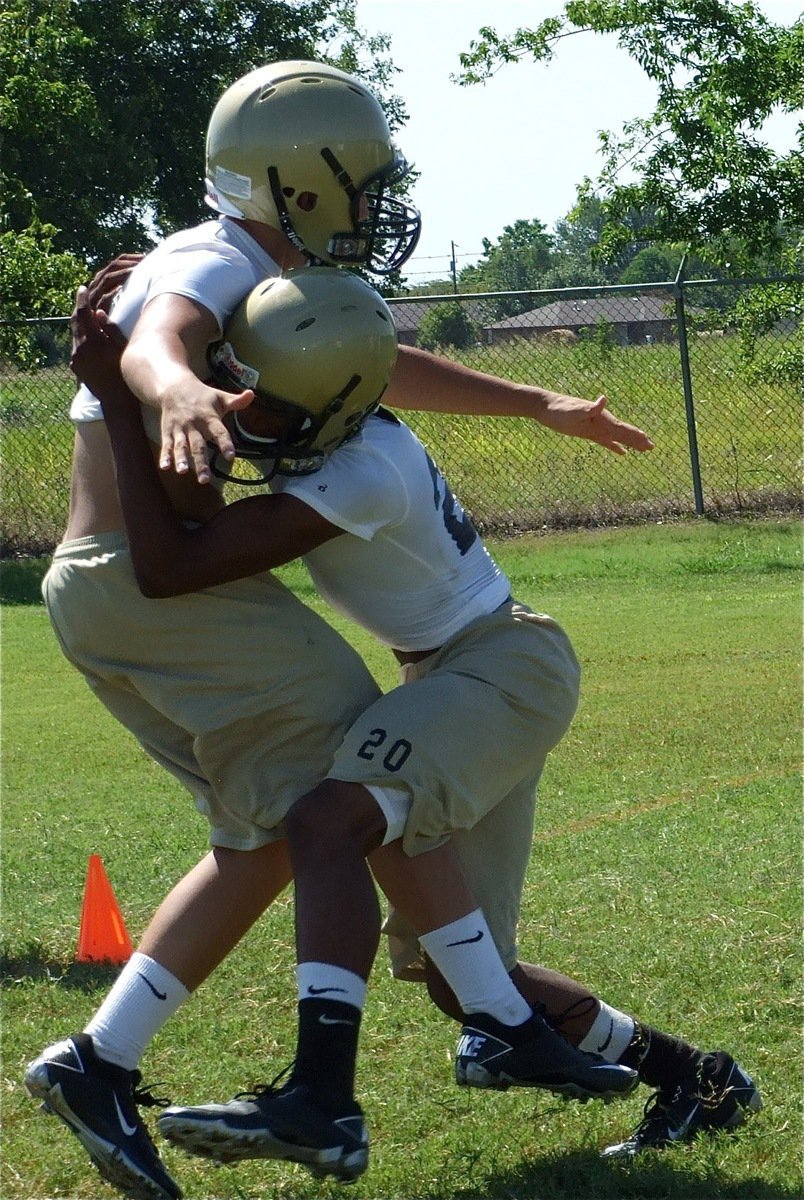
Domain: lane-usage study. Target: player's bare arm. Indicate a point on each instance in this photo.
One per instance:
(426, 382)
(248, 536)
(163, 364)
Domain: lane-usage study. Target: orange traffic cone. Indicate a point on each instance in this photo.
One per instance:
(103, 936)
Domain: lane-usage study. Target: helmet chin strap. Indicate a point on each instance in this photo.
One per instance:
(353, 247)
(388, 219)
(251, 448)
(221, 469)
(277, 455)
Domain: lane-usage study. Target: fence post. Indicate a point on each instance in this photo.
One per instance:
(686, 380)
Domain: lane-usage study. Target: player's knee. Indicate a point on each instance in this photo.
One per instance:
(334, 814)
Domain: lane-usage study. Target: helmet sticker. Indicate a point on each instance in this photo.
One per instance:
(224, 356)
(234, 184)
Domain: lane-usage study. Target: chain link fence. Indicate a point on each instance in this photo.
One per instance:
(712, 370)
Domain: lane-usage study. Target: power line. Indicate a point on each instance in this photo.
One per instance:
(448, 271)
(432, 274)
(428, 257)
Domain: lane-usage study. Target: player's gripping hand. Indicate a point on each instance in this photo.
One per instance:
(593, 421)
(96, 348)
(192, 422)
(107, 282)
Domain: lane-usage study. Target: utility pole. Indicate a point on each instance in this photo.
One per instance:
(454, 270)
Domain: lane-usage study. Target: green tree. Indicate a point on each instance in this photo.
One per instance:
(35, 281)
(446, 325)
(653, 264)
(516, 262)
(575, 241)
(434, 287)
(700, 164)
(105, 103)
(763, 310)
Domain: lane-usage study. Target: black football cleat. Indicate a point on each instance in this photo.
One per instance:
(720, 1095)
(97, 1101)
(546, 1060)
(283, 1124)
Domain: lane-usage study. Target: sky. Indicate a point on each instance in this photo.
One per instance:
(517, 146)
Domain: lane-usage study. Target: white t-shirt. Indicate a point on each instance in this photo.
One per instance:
(216, 264)
(410, 567)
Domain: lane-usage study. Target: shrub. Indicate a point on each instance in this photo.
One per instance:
(35, 281)
(446, 325)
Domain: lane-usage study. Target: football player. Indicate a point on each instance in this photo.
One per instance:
(223, 737)
(220, 723)
(420, 763)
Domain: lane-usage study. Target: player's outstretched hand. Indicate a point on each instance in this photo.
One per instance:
(595, 422)
(192, 422)
(97, 346)
(107, 282)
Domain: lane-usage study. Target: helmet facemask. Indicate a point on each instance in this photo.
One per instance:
(394, 227)
(291, 450)
(385, 230)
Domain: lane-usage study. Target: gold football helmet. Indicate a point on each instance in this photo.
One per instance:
(318, 347)
(306, 148)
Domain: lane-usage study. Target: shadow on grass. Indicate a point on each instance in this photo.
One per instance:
(33, 965)
(582, 1174)
(21, 580)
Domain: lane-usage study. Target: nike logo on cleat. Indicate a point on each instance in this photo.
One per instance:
(159, 995)
(471, 1044)
(128, 1130)
(468, 941)
(314, 991)
(78, 1065)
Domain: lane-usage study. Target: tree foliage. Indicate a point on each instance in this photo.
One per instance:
(773, 306)
(515, 262)
(105, 104)
(527, 258)
(35, 281)
(698, 163)
(446, 325)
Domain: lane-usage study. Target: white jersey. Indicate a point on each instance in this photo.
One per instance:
(411, 567)
(216, 264)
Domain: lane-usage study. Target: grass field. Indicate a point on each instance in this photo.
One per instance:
(666, 874)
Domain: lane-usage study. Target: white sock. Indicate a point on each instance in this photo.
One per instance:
(316, 980)
(610, 1034)
(466, 955)
(143, 997)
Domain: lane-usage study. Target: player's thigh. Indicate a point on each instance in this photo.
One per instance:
(264, 687)
(479, 718)
(167, 743)
(455, 744)
(208, 659)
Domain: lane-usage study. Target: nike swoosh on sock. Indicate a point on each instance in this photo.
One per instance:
(467, 941)
(602, 1047)
(159, 995)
